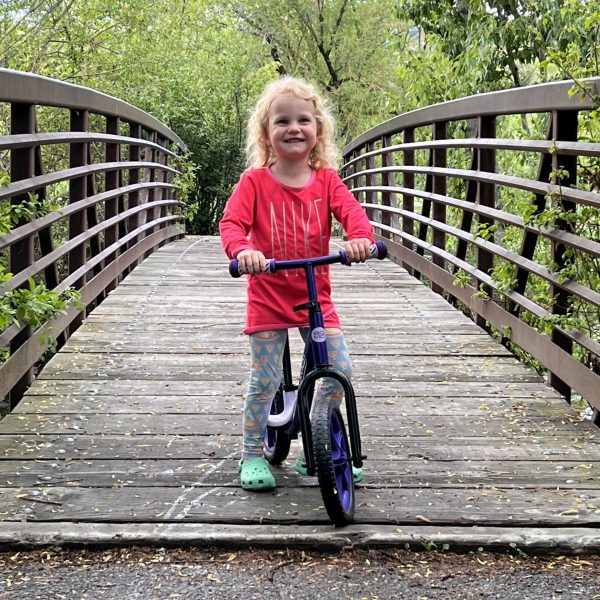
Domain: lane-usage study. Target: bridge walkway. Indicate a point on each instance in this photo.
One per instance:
(131, 433)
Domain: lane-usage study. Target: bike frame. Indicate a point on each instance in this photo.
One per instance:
(316, 365)
(316, 362)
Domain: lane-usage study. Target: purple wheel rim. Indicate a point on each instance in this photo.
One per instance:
(341, 461)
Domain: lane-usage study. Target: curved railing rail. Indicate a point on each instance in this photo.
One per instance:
(494, 200)
(104, 167)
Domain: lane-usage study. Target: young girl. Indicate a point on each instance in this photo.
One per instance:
(282, 208)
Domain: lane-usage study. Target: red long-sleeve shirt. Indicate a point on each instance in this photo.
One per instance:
(287, 223)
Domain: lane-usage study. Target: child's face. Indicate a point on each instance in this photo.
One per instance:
(292, 127)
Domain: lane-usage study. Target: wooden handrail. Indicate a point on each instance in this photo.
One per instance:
(518, 101)
(43, 263)
(41, 181)
(70, 137)
(35, 225)
(528, 185)
(567, 148)
(548, 246)
(31, 89)
(587, 245)
(116, 210)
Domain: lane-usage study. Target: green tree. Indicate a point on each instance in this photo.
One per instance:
(183, 61)
(345, 46)
(500, 43)
(198, 65)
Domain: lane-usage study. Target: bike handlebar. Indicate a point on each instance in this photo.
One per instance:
(377, 250)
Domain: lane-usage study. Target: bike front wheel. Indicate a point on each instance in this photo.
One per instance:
(333, 460)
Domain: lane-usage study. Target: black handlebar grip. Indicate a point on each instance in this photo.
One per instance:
(377, 250)
(381, 250)
(235, 271)
(234, 268)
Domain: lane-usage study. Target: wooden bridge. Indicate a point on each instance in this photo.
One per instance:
(131, 433)
(135, 424)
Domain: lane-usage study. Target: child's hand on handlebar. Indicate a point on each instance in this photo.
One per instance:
(252, 262)
(358, 250)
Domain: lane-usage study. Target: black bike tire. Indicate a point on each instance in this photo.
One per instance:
(281, 447)
(325, 469)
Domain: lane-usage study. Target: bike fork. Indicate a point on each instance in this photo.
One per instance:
(304, 394)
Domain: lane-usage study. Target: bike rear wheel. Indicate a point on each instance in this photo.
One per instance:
(333, 460)
(276, 444)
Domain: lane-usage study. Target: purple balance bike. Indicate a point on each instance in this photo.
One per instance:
(326, 448)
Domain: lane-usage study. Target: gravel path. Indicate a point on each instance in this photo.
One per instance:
(189, 574)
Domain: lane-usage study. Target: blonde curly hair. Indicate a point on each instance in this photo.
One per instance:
(259, 152)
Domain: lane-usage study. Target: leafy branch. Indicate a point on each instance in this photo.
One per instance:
(34, 304)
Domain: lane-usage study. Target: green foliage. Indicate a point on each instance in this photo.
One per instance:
(462, 279)
(12, 215)
(496, 41)
(345, 46)
(517, 551)
(503, 274)
(573, 49)
(486, 231)
(481, 293)
(33, 305)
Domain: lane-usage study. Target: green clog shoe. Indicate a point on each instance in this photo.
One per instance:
(255, 475)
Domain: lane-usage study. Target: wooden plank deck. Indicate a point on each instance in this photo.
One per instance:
(136, 422)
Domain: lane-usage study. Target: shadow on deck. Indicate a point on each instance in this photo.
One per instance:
(131, 434)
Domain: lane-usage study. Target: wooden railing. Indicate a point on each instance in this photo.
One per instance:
(505, 226)
(106, 164)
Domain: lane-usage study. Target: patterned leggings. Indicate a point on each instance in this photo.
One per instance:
(266, 348)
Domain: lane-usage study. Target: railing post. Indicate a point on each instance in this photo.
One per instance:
(355, 180)
(440, 186)
(408, 201)
(370, 195)
(352, 170)
(530, 238)
(150, 194)
(77, 191)
(348, 172)
(45, 235)
(112, 180)
(22, 166)
(389, 180)
(467, 216)
(152, 153)
(46, 241)
(92, 219)
(565, 125)
(135, 131)
(486, 197)
(361, 181)
(163, 176)
(163, 159)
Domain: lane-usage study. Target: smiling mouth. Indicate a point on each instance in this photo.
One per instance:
(293, 140)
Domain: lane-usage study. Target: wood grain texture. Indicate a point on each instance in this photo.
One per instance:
(138, 418)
